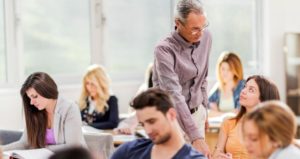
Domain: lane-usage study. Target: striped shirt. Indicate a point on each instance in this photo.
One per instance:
(181, 69)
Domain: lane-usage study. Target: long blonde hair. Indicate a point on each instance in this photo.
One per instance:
(235, 65)
(101, 78)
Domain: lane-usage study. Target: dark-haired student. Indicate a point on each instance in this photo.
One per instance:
(51, 121)
(256, 90)
(155, 112)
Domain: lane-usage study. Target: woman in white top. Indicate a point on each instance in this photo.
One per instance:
(224, 96)
(269, 132)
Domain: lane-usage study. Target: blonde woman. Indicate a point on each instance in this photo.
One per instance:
(269, 132)
(225, 95)
(99, 108)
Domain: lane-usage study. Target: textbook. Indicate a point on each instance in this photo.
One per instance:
(42, 153)
(218, 120)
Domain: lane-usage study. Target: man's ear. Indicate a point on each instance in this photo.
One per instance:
(172, 114)
(177, 22)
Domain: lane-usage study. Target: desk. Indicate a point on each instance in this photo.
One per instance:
(120, 139)
(211, 137)
(215, 121)
(116, 139)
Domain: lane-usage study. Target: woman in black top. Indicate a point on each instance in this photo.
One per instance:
(99, 108)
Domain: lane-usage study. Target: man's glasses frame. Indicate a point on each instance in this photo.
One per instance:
(195, 31)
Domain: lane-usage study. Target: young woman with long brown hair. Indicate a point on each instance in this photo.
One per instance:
(51, 121)
(256, 90)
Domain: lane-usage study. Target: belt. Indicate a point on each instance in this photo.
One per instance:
(193, 110)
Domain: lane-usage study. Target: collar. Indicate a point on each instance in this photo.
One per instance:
(183, 42)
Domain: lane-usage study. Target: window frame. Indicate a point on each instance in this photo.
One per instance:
(14, 44)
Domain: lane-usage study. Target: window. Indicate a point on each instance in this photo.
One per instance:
(233, 26)
(2, 45)
(131, 31)
(56, 36)
(63, 37)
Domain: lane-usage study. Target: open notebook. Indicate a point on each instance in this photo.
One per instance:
(218, 120)
(42, 153)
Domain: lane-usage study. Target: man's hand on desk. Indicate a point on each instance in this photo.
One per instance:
(201, 146)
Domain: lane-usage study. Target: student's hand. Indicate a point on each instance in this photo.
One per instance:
(126, 131)
(201, 146)
(224, 156)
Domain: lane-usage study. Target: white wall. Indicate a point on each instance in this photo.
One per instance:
(279, 17)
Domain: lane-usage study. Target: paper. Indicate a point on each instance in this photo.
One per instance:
(42, 153)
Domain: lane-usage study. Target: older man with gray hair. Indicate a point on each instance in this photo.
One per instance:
(181, 68)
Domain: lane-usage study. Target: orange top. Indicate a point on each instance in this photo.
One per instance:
(234, 139)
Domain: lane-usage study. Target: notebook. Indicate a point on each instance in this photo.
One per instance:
(42, 153)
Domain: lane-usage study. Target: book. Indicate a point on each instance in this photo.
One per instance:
(217, 120)
(41, 153)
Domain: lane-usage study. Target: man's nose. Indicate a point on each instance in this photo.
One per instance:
(148, 129)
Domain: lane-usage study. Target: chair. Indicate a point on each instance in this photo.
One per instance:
(100, 144)
(9, 136)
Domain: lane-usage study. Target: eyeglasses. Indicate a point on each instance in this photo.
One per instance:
(195, 31)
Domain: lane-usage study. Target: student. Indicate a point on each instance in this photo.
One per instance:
(256, 90)
(225, 95)
(72, 153)
(269, 132)
(51, 121)
(156, 113)
(99, 108)
(127, 126)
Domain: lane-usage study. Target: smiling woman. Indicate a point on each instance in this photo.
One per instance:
(51, 121)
